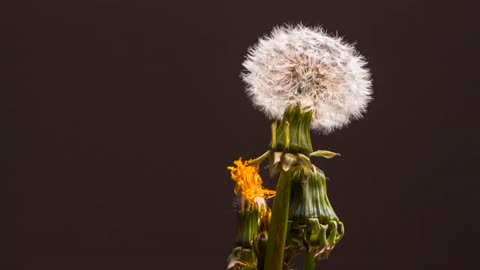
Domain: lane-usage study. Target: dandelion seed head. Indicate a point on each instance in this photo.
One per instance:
(297, 65)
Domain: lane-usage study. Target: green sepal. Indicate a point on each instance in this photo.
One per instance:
(293, 133)
(247, 227)
(324, 153)
(260, 159)
(285, 161)
(309, 199)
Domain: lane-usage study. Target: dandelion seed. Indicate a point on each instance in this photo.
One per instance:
(297, 65)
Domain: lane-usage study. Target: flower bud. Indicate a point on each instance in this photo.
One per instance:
(252, 219)
(314, 226)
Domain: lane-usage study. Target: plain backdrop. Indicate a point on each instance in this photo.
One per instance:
(122, 116)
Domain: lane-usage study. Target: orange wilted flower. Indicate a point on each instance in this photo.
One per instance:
(248, 182)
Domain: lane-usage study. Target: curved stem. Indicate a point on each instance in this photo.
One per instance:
(259, 159)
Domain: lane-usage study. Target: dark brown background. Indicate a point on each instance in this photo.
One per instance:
(123, 115)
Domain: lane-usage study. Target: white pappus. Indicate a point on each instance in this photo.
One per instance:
(297, 65)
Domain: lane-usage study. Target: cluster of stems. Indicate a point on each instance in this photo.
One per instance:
(301, 221)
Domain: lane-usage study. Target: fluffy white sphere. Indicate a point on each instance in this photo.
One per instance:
(305, 66)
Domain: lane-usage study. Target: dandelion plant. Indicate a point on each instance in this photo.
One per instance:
(303, 79)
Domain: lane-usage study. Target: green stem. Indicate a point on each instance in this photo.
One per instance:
(309, 261)
(277, 232)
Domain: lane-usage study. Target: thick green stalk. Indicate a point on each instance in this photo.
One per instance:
(309, 261)
(291, 136)
(278, 226)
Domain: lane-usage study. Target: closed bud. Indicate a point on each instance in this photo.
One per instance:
(313, 225)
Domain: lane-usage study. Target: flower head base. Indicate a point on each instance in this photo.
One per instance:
(248, 183)
(307, 67)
